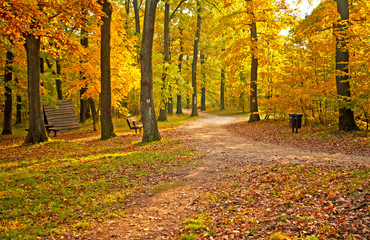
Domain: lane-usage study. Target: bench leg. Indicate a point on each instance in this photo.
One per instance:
(136, 130)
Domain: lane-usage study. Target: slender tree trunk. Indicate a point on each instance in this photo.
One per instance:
(137, 17)
(36, 130)
(19, 105)
(150, 129)
(181, 57)
(222, 87)
(166, 53)
(346, 116)
(58, 82)
(107, 130)
(94, 113)
(242, 76)
(222, 90)
(203, 89)
(254, 73)
(8, 106)
(170, 105)
(194, 108)
(85, 43)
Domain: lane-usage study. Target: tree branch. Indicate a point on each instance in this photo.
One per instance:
(177, 8)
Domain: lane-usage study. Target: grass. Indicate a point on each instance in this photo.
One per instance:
(76, 181)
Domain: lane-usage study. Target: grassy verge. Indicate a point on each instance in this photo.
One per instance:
(285, 202)
(77, 181)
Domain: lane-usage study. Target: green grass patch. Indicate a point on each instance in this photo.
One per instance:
(61, 185)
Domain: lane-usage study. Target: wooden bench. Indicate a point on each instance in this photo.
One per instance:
(132, 124)
(62, 119)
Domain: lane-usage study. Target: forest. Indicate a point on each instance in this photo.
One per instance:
(212, 85)
(120, 58)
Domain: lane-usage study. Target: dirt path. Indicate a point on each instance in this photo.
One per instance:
(158, 215)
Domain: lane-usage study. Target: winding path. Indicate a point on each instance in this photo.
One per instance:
(158, 215)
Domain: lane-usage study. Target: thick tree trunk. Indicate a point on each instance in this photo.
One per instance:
(8, 106)
(107, 130)
(346, 116)
(150, 129)
(36, 130)
(222, 90)
(194, 108)
(254, 73)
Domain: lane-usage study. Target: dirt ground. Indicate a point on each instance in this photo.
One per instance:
(159, 215)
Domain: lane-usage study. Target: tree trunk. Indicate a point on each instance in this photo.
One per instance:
(222, 90)
(8, 107)
(203, 89)
(242, 76)
(254, 72)
(150, 129)
(58, 82)
(107, 130)
(194, 108)
(181, 57)
(85, 43)
(137, 17)
(19, 105)
(346, 116)
(36, 130)
(93, 113)
(170, 105)
(166, 53)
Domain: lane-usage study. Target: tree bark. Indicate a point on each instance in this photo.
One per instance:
(346, 116)
(254, 73)
(150, 127)
(36, 130)
(194, 108)
(107, 130)
(8, 106)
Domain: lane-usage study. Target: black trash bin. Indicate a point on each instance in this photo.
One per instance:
(295, 121)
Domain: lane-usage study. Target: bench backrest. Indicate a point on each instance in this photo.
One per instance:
(131, 121)
(63, 118)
